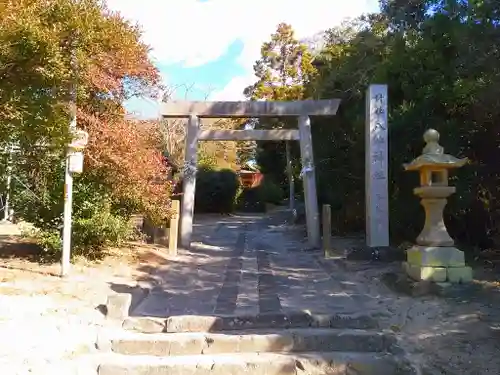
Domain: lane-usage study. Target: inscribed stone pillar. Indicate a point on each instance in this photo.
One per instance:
(376, 163)
(309, 178)
(189, 181)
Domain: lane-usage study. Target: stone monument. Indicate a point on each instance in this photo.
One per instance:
(434, 257)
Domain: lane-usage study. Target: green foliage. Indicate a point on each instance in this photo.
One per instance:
(38, 188)
(49, 242)
(206, 161)
(250, 200)
(99, 220)
(216, 190)
(284, 72)
(254, 199)
(91, 234)
(104, 229)
(37, 41)
(284, 68)
(47, 48)
(246, 150)
(272, 160)
(270, 192)
(440, 61)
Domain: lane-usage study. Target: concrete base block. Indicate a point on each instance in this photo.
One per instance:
(118, 306)
(453, 275)
(434, 256)
(420, 273)
(459, 275)
(438, 264)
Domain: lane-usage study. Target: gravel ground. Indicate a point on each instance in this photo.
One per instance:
(456, 332)
(49, 325)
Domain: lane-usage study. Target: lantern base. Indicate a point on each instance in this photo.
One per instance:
(433, 200)
(439, 264)
(435, 256)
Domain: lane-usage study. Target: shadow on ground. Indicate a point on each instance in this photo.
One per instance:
(212, 277)
(16, 247)
(189, 283)
(455, 331)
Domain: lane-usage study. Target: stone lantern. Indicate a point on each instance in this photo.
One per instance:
(434, 257)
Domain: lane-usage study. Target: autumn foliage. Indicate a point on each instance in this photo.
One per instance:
(48, 49)
(126, 155)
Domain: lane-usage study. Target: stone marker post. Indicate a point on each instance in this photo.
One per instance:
(434, 257)
(376, 162)
(327, 229)
(174, 228)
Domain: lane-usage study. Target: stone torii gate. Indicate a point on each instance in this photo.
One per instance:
(302, 110)
(376, 152)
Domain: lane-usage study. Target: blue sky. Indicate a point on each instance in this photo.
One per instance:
(195, 83)
(205, 49)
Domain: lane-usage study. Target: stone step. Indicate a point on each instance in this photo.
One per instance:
(290, 340)
(319, 363)
(197, 323)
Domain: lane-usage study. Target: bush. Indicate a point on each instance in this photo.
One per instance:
(99, 223)
(90, 236)
(93, 235)
(49, 242)
(269, 192)
(255, 199)
(98, 220)
(250, 200)
(216, 190)
(38, 190)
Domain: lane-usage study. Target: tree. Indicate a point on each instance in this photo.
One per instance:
(246, 150)
(39, 43)
(284, 69)
(283, 73)
(215, 153)
(439, 60)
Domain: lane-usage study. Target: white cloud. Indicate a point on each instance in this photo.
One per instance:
(234, 89)
(195, 33)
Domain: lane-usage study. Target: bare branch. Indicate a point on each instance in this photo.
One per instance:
(174, 130)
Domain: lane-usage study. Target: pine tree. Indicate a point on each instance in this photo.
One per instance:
(283, 71)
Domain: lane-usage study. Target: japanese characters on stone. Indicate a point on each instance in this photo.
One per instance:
(377, 163)
(379, 152)
(379, 139)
